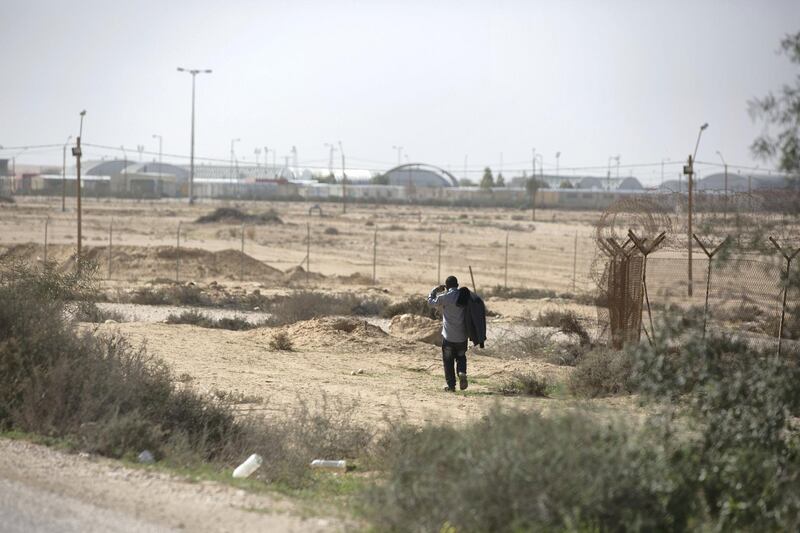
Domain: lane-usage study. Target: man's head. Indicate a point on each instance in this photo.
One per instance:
(451, 282)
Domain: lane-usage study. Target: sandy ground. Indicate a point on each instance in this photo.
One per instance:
(42, 489)
(540, 254)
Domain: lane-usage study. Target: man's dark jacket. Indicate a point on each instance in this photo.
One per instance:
(475, 318)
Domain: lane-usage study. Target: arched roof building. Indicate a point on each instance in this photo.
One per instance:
(420, 175)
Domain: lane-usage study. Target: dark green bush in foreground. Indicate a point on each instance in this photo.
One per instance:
(105, 396)
(720, 451)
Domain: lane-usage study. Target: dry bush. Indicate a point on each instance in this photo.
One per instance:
(197, 318)
(525, 384)
(305, 305)
(412, 305)
(603, 372)
(231, 215)
(281, 341)
(330, 230)
(86, 311)
(567, 322)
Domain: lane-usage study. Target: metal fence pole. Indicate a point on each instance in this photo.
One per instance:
(505, 268)
(308, 251)
(46, 223)
(110, 244)
(178, 255)
(710, 256)
(241, 258)
(374, 255)
(788, 257)
(439, 261)
(575, 262)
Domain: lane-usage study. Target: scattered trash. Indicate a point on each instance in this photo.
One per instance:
(146, 457)
(325, 464)
(249, 466)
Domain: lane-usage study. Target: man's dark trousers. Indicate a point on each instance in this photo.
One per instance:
(454, 354)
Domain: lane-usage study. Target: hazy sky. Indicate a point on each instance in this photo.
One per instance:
(443, 79)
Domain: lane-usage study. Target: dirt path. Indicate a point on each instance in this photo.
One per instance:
(42, 489)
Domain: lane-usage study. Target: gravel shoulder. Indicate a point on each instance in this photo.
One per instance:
(43, 489)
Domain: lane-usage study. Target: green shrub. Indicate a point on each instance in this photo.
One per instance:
(515, 471)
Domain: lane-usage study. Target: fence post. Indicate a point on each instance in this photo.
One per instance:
(178, 255)
(788, 257)
(308, 251)
(439, 261)
(110, 244)
(710, 256)
(645, 251)
(505, 268)
(374, 255)
(241, 258)
(575, 262)
(474, 288)
(46, 223)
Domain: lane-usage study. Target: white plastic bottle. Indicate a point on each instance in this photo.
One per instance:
(249, 466)
(339, 466)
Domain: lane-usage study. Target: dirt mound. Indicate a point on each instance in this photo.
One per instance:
(417, 328)
(144, 263)
(351, 333)
(356, 278)
(297, 274)
(231, 215)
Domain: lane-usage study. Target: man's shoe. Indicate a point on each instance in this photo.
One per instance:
(462, 380)
(448, 388)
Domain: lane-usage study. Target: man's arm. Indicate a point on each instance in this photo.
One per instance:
(434, 297)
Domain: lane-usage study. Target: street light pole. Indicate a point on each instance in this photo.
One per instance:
(64, 175)
(194, 73)
(330, 158)
(399, 154)
(233, 141)
(690, 174)
(725, 210)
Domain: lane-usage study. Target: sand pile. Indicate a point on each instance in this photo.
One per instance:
(297, 275)
(417, 328)
(334, 333)
(146, 263)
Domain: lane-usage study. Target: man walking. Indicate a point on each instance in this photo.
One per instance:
(454, 332)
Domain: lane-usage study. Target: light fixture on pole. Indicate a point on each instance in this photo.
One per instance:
(689, 171)
(194, 73)
(64, 175)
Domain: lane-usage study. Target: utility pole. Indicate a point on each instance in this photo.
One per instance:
(399, 154)
(233, 154)
(662, 169)
(330, 157)
(64, 175)
(194, 73)
(76, 151)
(533, 185)
(558, 156)
(466, 157)
(725, 198)
(344, 181)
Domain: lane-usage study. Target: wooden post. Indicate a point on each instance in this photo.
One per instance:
(110, 244)
(374, 255)
(575, 262)
(505, 268)
(46, 223)
(474, 288)
(241, 258)
(788, 257)
(178, 255)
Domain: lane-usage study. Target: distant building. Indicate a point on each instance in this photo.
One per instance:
(420, 175)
